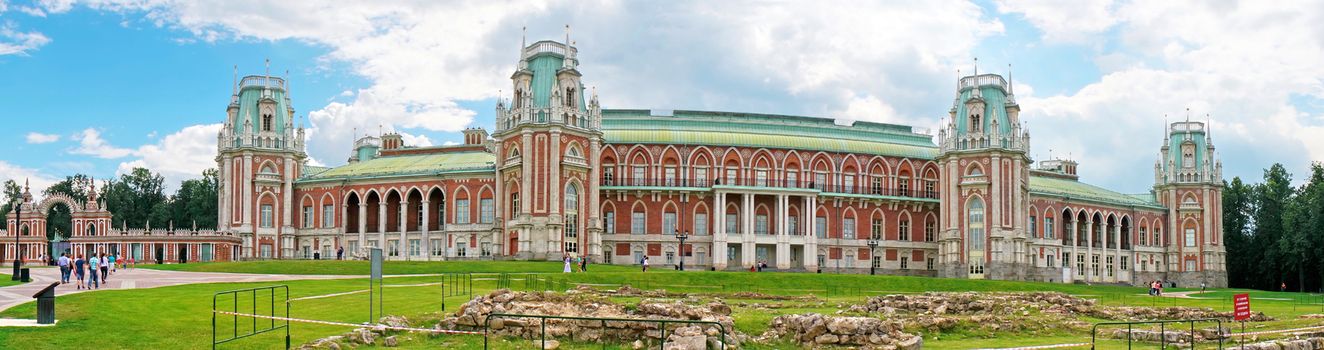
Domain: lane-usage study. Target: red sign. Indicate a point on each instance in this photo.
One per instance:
(1241, 307)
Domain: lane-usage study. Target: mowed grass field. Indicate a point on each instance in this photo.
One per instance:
(179, 317)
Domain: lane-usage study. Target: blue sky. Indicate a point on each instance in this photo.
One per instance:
(102, 86)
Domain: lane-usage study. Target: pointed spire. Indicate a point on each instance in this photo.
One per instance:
(1010, 84)
(235, 85)
(567, 36)
(268, 73)
(286, 78)
(1188, 114)
(1165, 130)
(976, 66)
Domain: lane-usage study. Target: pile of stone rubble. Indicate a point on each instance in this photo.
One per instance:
(372, 335)
(1025, 304)
(473, 315)
(813, 329)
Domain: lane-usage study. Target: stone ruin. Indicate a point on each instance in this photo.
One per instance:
(1312, 343)
(473, 314)
(1027, 303)
(812, 330)
(1171, 337)
(371, 335)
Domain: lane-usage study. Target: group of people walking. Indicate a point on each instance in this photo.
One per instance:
(90, 273)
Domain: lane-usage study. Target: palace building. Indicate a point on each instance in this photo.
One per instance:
(560, 175)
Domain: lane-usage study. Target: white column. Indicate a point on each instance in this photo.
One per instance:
(381, 225)
(747, 230)
(404, 226)
(247, 180)
(423, 226)
(783, 240)
(363, 227)
(223, 190)
(1117, 251)
(1089, 249)
(811, 236)
(1075, 248)
(719, 230)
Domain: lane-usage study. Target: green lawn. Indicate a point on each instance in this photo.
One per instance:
(360, 267)
(178, 317)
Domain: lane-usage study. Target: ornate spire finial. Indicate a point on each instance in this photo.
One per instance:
(976, 66)
(286, 79)
(235, 85)
(268, 73)
(567, 35)
(1010, 85)
(1188, 114)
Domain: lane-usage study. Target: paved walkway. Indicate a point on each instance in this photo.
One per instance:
(135, 278)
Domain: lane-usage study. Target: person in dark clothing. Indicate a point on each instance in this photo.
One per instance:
(340, 253)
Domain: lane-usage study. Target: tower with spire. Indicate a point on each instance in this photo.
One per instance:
(983, 154)
(260, 154)
(1188, 179)
(546, 135)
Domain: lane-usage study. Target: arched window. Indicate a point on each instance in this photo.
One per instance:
(570, 97)
(571, 198)
(975, 223)
(266, 122)
(91, 230)
(975, 125)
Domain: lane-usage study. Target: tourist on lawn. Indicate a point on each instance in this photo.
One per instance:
(583, 264)
(565, 259)
(79, 273)
(112, 259)
(63, 262)
(340, 253)
(105, 267)
(645, 263)
(92, 264)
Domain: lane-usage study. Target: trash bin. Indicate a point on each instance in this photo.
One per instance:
(24, 276)
(46, 304)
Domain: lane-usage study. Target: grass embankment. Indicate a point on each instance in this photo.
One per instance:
(179, 317)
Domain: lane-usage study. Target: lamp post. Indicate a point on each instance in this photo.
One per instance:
(18, 253)
(872, 244)
(682, 236)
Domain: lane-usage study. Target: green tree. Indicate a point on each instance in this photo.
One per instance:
(1271, 205)
(195, 201)
(1236, 231)
(134, 197)
(11, 192)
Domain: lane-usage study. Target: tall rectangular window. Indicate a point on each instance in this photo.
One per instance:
(608, 175)
(1033, 225)
(930, 230)
(328, 216)
(461, 211)
(731, 174)
(571, 226)
(308, 216)
(820, 181)
(610, 223)
(732, 224)
(929, 191)
(792, 225)
(761, 178)
(437, 247)
(903, 187)
(876, 229)
(848, 183)
(876, 185)
(414, 247)
(1190, 237)
(670, 175)
(393, 246)
(668, 223)
(848, 228)
(760, 224)
(905, 263)
(1144, 236)
(637, 223)
(700, 224)
(266, 216)
(637, 175)
(488, 213)
(792, 179)
(1048, 228)
(701, 177)
(903, 229)
(820, 227)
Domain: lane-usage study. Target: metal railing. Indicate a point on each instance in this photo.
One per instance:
(253, 294)
(662, 325)
(456, 284)
(1163, 339)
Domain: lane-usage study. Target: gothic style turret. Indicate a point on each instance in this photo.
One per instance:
(1188, 179)
(544, 137)
(983, 154)
(260, 155)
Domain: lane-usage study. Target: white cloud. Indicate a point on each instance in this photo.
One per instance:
(90, 143)
(36, 137)
(16, 42)
(181, 155)
(38, 181)
(415, 140)
(1064, 21)
(1242, 62)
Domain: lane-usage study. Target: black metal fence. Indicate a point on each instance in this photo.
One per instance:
(1163, 328)
(662, 325)
(456, 284)
(251, 297)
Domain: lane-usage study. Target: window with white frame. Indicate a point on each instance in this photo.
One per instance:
(670, 174)
(461, 211)
(903, 229)
(930, 230)
(848, 183)
(760, 224)
(876, 185)
(792, 225)
(700, 224)
(731, 174)
(1033, 225)
(308, 216)
(608, 175)
(1190, 237)
(637, 223)
(792, 179)
(415, 247)
(437, 247)
(328, 216)
(609, 222)
(876, 229)
(266, 216)
(905, 263)
(975, 220)
(1048, 228)
(761, 177)
(637, 175)
(732, 224)
(488, 211)
(877, 261)
(462, 247)
(820, 180)
(393, 247)
(820, 227)
(668, 223)
(848, 228)
(701, 177)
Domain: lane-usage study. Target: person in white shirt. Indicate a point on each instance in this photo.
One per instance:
(64, 268)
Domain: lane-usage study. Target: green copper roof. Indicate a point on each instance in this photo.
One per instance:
(1180, 133)
(1076, 190)
(764, 131)
(249, 97)
(405, 165)
(544, 67)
